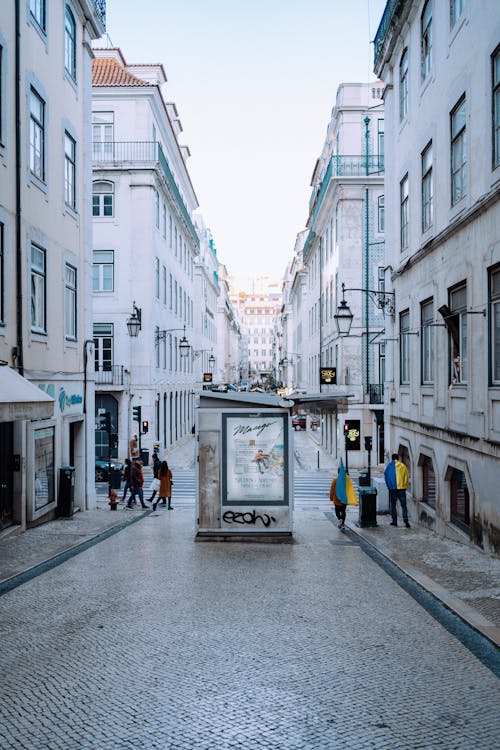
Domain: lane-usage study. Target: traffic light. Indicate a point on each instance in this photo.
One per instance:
(145, 426)
(136, 413)
(103, 422)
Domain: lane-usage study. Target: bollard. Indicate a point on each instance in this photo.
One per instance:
(318, 460)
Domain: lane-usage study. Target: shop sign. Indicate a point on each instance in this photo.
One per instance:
(327, 375)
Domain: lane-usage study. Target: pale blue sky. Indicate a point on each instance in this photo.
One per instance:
(254, 83)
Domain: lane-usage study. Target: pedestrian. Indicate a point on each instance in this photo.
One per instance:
(126, 478)
(134, 448)
(155, 485)
(166, 482)
(396, 479)
(342, 493)
(136, 484)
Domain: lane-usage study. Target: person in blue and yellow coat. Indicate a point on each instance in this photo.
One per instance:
(396, 479)
(342, 494)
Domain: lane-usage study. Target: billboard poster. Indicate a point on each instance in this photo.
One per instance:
(255, 459)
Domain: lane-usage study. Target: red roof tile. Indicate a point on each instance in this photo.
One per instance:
(108, 72)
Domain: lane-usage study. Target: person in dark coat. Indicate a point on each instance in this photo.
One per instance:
(126, 478)
(155, 486)
(166, 482)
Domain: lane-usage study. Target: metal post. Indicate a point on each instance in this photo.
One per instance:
(318, 460)
(346, 454)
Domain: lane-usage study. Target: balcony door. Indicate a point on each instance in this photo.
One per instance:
(103, 352)
(103, 136)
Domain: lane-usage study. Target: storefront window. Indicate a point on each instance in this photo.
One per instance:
(44, 467)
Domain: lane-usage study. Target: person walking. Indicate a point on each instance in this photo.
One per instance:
(126, 478)
(136, 484)
(396, 479)
(155, 485)
(166, 482)
(342, 493)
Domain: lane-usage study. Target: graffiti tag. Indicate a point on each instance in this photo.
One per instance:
(249, 517)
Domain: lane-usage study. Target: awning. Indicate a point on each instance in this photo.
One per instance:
(325, 402)
(20, 399)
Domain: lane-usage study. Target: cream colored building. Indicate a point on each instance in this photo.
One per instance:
(440, 63)
(45, 252)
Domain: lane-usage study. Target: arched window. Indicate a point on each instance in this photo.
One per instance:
(403, 85)
(103, 199)
(70, 43)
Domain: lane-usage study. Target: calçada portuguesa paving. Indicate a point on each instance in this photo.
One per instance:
(147, 640)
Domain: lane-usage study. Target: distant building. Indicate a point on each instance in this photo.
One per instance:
(45, 247)
(441, 66)
(144, 255)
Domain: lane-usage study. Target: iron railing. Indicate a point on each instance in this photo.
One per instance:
(100, 9)
(120, 153)
(376, 393)
(112, 375)
(383, 27)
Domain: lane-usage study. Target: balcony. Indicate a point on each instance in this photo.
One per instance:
(100, 9)
(376, 393)
(109, 375)
(141, 154)
(383, 28)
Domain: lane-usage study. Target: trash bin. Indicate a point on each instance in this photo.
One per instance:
(367, 507)
(145, 457)
(66, 495)
(115, 479)
(363, 480)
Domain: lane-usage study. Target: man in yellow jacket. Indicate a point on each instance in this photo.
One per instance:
(396, 479)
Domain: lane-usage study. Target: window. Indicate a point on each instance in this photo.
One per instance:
(456, 10)
(403, 85)
(37, 135)
(103, 271)
(2, 273)
(496, 108)
(456, 322)
(381, 145)
(157, 278)
(102, 199)
(459, 500)
(427, 341)
(69, 302)
(404, 347)
(102, 136)
(495, 325)
(38, 289)
(164, 285)
(458, 152)
(426, 39)
(69, 171)
(164, 223)
(70, 43)
(170, 295)
(103, 347)
(404, 208)
(381, 217)
(157, 209)
(1, 93)
(427, 189)
(428, 481)
(37, 10)
(44, 467)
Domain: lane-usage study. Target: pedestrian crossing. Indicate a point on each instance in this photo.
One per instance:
(311, 486)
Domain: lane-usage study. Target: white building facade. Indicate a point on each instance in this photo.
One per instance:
(207, 301)
(440, 63)
(144, 254)
(45, 250)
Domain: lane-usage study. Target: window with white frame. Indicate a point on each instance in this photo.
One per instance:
(380, 213)
(69, 171)
(456, 323)
(70, 299)
(103, 199)
(426, 40)
(427, 188)
(164, 285)
(38, 289)
(458, 151)
(404, 347)
(404, 212)
(70, 43)
(427, 341)
(457, 8)
(103, 271)
(157, 278)
(164, 222)
(380, 142)
(496, 107)
(37, 11)
(102, 135)
(37, 135)
(103, 347)
(403, 85)
(495, 324)
(157, 209)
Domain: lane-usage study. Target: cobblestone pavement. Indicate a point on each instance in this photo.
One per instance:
(148, 640)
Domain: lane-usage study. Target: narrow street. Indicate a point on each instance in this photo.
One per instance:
(147, 640)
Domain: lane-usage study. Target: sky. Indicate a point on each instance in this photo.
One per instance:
(254, 84)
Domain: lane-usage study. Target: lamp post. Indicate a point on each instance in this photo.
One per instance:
(385, 301)
(183, 345)
(134, 323)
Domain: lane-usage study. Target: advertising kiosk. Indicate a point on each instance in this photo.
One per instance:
(245, 468)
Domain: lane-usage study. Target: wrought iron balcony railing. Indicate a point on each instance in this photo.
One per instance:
(376, 393)
(383, 28)
(109, 375)
(100, 9)
(121, 153)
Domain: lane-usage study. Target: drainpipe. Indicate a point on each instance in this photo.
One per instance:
(367, 275)
(19, 263)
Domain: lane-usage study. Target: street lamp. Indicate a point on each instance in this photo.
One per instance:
(385, 301)
(184, 345)
(134, 324)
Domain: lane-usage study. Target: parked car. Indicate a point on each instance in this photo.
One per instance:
(299, 421)
(314, 421)
(101, 469)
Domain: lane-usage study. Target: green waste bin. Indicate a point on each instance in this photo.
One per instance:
(367, 507)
